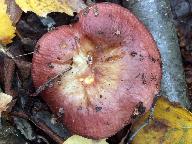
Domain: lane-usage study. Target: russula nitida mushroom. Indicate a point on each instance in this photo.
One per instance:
(115, 70)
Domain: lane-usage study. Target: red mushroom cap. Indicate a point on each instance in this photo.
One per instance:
(116, 70)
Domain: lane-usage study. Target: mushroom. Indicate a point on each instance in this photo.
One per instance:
(115, 70)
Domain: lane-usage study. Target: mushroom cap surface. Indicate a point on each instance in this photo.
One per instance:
(116, 70)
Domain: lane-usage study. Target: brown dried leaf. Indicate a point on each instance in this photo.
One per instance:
(13, 10)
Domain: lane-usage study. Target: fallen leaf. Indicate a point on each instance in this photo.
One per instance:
(43, 7)
(7, 30)
(75, 139)
(24, 69)
(9, 71)
(76, 5)
(172, 124)
(4, 101)
(13, 10)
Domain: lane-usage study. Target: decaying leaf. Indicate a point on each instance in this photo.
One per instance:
(7, 31)
(172, 124)
(13, 10)
(4, 101)
(75, 139)
(76, 5)
(43, 7)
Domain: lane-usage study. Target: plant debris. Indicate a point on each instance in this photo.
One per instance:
(43, 7)
(4, 101)
(7, 30)
(171, 124)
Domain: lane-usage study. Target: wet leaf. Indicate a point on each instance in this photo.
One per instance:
(171, 124)
(81, 140)
(7, 31)
(43, 7)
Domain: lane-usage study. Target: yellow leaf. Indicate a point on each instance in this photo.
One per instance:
(172, 124)
(75, 139)
(43, 7)
(7, 31)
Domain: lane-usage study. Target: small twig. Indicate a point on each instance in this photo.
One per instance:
(2, 49)
(49, 82)
(40, 125)
(49, 132)
(151, 117)
(14, 57)
(23, 55)
(18, 34)
(137, 131)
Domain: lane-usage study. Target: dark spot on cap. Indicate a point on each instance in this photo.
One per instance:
(143, 77)
(137, 75)
(100, 32)
(139, 110)
(37, 47)
(98, 108)
(86, 11)
(157, 85)
(50, 65)
(153, 59)
(153, 77)
(96, 11)
(141, 57)
(107, 123)
(133, 53)
(79, 108)
(77, 39)
(100, 96)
